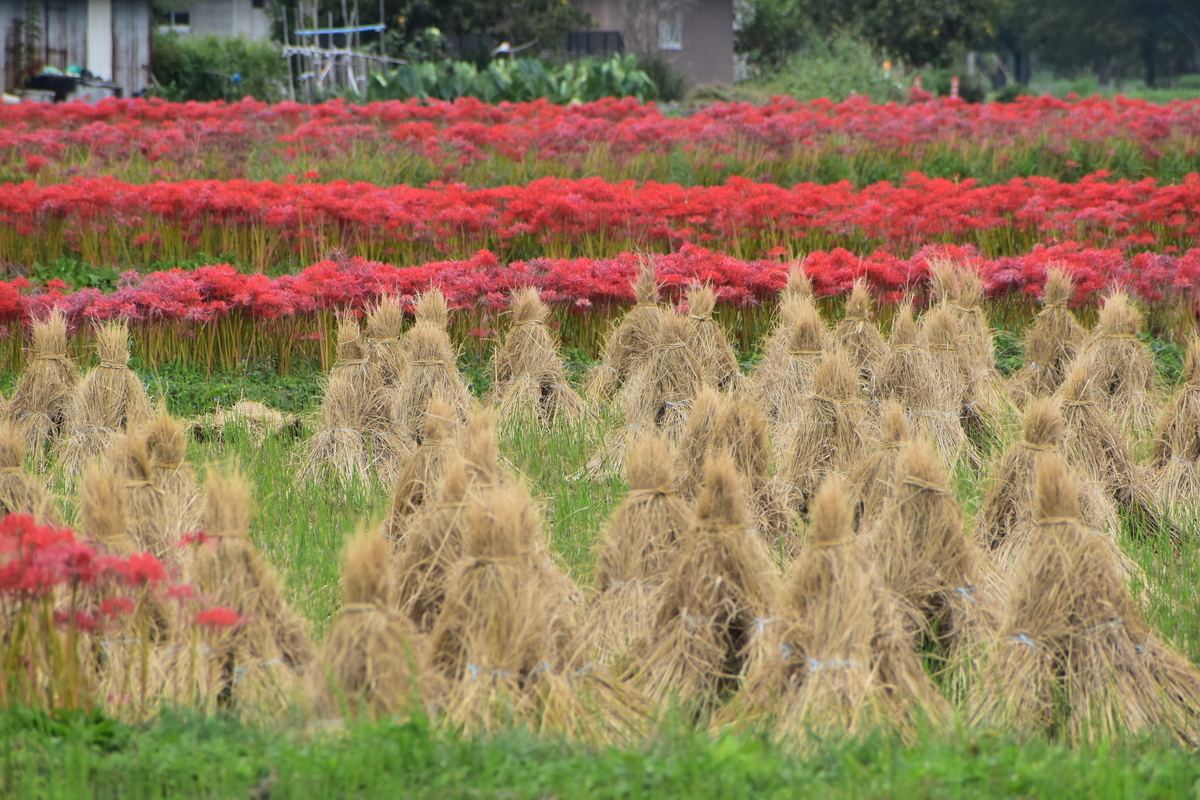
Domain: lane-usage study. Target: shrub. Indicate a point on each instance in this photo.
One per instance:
(834, 68)
(216, 68)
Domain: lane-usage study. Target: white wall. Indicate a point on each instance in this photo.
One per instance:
(100, 38)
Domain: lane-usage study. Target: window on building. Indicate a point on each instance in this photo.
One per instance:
(181, 18)
(670, 34)
(258, 3)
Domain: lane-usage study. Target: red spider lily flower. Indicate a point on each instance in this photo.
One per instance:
(83, 621)
(219, 617)
(181, 591)
(140, 569)
(113, 607)
(195, 537)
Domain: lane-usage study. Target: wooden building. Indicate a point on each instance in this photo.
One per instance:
(109, 38)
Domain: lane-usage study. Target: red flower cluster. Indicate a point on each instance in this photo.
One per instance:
(107, 221)
(414, 141)
(213, 293)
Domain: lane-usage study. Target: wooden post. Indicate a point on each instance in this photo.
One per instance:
(291, 75)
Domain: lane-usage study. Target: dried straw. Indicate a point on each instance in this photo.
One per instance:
(39, 402)
(430, 372)
(1120, 366)
(166, 443)
(530, 382)
(21, 492)
(839, 659)
(1075, 654)
(371, 662)
(641, 542)
(418, 480)
(629, 344)
(929, 562)
(782, 380)
(830, 433)
(712, 601)
(108, 401)
(1006, 519)
(717, 360)
(857, 336)
(1052, 341)
(1176, 454)
(143, 501)
(262, 657)
(912, 377)
(942, 419)
(385, 349)
(258, 419)
(870, 477)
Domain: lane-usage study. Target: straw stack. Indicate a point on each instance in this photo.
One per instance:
(371, 663)
(641, 543)
(166, 443)
(857, 336)
(39, 402)
(529, 381)
(840, 660)
(1075, 654)
(385, 348)
(109, 400)
(418, 481)
(261, 659)
(831, 432)
(1175, 461)
(718, 595)
(870, 478)
(783, 379)
(629, 344)
(1120, 366)
(430, 371)
(939, 336)
(1052, 341)
(717, 360)
(21, 492)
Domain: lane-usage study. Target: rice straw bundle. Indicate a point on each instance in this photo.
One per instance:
(929, 562)
(371, 662)
(39, 402)
(505, 636)
(798, 286)
(262, 657)
(717, 361)
(1075, 654)
(716, 597)
(1052, 341)
(102, 510)
(1120, 366)
(108, 401)
(870, 477)
(146, 520)
(629, 344)
(942, 420)
(385, 349)
(431, 371)
(641, 542)
(1098, 451)
(166, 442)
(418, 481)
(830, 434)
(356, 427)
(20, 492)
(840, 659)
(530, 381)
(659, 396)
(910, 376)
(1006, 519)
(857, 336)
(259, 420)
(1176, 456)
(987, 401)
(783, 379)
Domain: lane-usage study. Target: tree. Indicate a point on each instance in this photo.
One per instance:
(517, 21)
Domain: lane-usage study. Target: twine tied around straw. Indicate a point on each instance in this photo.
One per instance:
(804, 352)
(699, 319)
(921, 483)
(114, 365)
(474, 670)
(432, 362)
(1058, 521)
(168, 465)
(1023, 638)
(965, 591)
(350, 362)
(523, 322)
(668, 347)
(1041, 448)
(965, 310)
(946, 347)
(62, 358)
(385, 340)
(1120, 336)
(355, 608)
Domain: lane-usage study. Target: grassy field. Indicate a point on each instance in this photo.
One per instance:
(302, 530)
